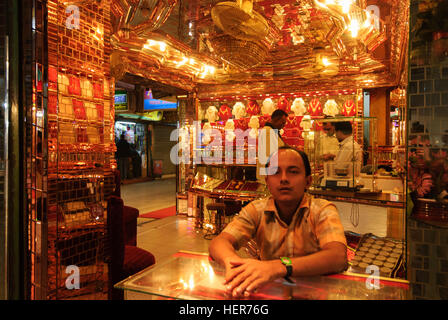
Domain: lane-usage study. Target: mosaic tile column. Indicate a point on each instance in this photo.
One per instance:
(427, 135)
(80, 147)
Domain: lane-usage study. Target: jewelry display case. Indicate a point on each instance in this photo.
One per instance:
(354, 166)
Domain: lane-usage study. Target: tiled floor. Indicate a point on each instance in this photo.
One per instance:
(162, 237)
(151, 195)
(165, 237)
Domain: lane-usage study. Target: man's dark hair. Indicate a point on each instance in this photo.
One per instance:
(278, 114)
(345, 127)
(306, 161)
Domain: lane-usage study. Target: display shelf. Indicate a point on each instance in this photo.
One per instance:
(379, 198)
(232, 188)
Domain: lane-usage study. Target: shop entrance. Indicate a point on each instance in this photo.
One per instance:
(133, 162)
(146, 112)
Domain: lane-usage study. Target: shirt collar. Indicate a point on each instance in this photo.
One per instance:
(346, 140)
(271, 208)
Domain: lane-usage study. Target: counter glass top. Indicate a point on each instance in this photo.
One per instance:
(195, 276)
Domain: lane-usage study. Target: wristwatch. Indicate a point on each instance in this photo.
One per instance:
(288, 264)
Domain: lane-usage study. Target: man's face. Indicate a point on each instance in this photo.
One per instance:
(340, 136)
(328, 128)
(279, 123)
(289, 182)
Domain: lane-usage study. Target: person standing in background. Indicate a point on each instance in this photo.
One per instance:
(266, 147)
(130, 135)
(123, 154)
(328, 144)
(349, 151)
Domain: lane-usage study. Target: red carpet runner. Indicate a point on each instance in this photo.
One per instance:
(159, 214)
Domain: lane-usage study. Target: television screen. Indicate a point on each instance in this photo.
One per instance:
(121, 100)
(150, 103)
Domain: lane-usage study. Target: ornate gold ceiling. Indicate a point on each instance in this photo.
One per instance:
(309, 45)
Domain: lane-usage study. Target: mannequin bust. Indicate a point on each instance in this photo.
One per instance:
(239, 110)
(298, 107)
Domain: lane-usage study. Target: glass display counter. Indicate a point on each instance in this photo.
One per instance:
(341, 167)
(190, 276)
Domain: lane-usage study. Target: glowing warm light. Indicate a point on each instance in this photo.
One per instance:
(329, 2)
(207, 268)
(191, 283)
(192, 61)
(323, 5)
(152, 43)
(325, 62)
(368, 21)
(211, 69)
(209, 226)
(345, 4)
(185, 285)
(184, 61)
(354, 28)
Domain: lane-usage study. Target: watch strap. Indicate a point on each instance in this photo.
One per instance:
(288, 264)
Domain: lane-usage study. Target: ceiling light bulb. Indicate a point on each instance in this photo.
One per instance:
(321, 4)
(162, 46)
(210, 69)
(192, 61)
(181, 63)
(345, 4)
(325, 62)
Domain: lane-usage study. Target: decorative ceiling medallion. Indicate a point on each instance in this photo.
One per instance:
(241, 35)
(240, 21)
(241, 54)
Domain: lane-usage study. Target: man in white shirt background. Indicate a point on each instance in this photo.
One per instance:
(349, 150)
(328, 144)
(269, 141)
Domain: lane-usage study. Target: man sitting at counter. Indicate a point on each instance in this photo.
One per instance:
(296, 234)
